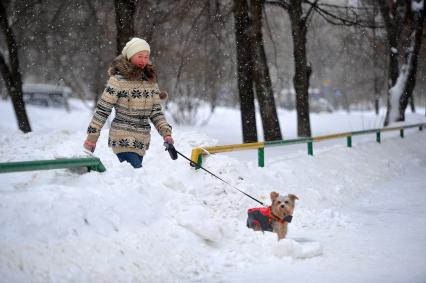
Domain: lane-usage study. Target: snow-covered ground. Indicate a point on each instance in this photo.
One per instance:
(361, 216)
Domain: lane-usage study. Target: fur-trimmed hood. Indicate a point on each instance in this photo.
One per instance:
(122, 66)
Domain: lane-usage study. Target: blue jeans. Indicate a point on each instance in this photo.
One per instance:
(133, 158)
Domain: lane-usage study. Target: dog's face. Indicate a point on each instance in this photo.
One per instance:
(283, 205)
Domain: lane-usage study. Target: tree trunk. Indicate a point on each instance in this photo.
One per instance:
(244, 63)
(124, 20)
(11, 74)
(401, 81)
(412, 104)
(417, 19)
(264, 92)
(375, 65)
(393, 22)
(302, 70)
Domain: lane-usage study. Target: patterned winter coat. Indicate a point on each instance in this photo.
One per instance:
(134, 94)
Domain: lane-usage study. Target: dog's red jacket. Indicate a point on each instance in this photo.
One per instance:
(259, 217)
(262, 217)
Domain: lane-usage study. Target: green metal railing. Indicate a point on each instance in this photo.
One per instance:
(197, 153)
(92, 163)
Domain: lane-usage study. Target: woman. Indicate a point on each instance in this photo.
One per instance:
(133, 91)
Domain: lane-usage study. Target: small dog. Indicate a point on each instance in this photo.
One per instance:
(274, 218)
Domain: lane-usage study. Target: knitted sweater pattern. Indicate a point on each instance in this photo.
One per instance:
(135, 102)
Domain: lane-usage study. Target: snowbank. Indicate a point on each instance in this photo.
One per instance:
(167, 222)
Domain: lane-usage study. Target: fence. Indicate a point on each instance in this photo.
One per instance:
(197, 153)
(91, 163)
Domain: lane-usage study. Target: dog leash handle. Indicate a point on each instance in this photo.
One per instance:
(171, 149)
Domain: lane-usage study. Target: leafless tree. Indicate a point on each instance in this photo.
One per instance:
(245, 76)
(262, 80)
(194, 48)
(404, 22)
(300, 13)
(303, 70)
(11, 73)
(253, 71)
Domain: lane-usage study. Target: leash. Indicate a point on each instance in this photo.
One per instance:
(174, 155)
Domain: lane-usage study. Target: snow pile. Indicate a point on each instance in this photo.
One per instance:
(288, 247)
(200, 220)
(167, 222)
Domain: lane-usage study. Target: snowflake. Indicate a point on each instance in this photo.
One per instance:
(145, 93)
(138, 144)
(124, 142)
(91, 130)
(122, 93)
(110, 90)
(136, 93)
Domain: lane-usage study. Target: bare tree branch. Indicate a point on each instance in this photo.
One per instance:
(351, 18)
(306, 17)
(274, 47)
(283, 4)
(185, 42)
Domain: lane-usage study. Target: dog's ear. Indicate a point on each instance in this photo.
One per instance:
(293, 197)
(274, 195)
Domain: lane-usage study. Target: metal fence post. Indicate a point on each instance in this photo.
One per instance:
(310, 148)
(261, 157)
(349, 141)
(199, 162)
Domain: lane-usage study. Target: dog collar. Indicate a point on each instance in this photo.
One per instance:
(287, 218)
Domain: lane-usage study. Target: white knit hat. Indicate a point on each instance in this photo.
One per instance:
(134, 46)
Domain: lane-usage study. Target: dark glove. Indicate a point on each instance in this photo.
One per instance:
(172, 151)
